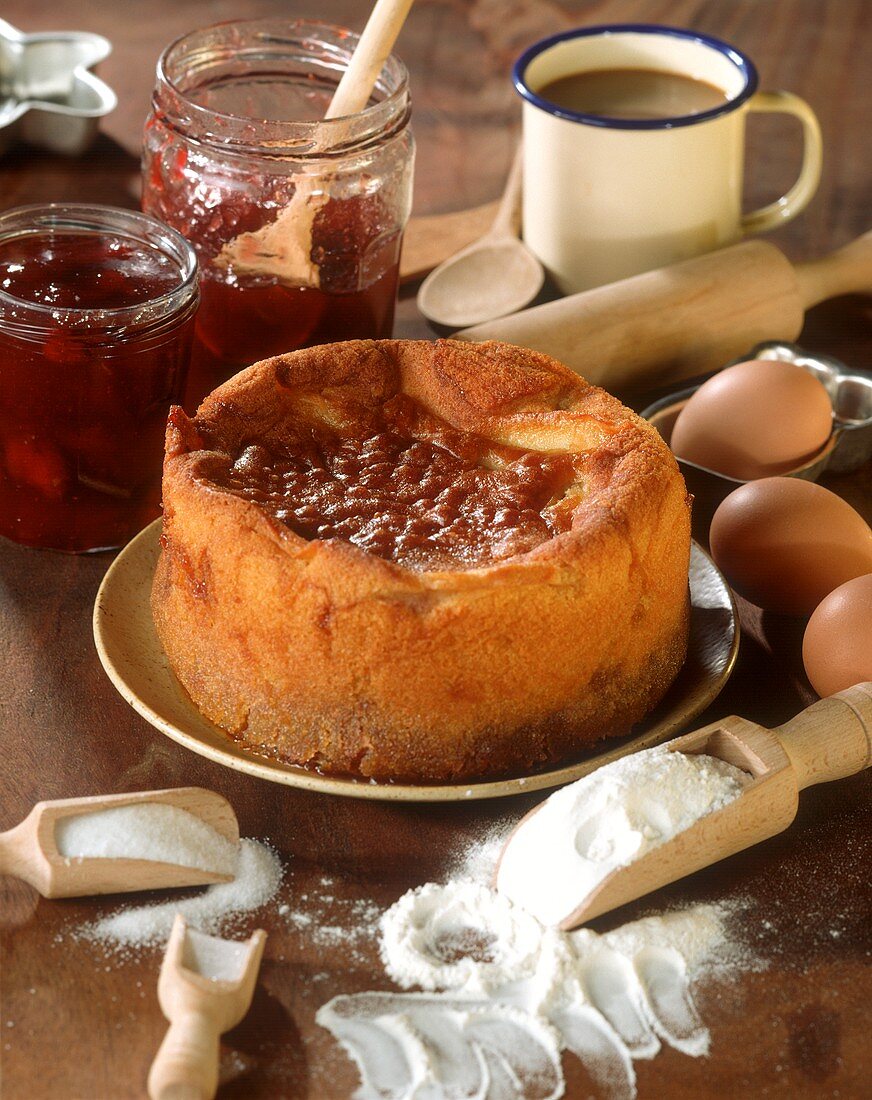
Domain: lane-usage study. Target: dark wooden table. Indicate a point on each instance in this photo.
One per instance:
(73, 1027)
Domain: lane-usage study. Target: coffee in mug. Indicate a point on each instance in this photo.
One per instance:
(633, 93)
(634, 139)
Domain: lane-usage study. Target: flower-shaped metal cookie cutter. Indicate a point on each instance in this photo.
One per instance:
(48, 96)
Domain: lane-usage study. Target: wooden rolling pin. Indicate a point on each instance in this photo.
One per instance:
(683, 320)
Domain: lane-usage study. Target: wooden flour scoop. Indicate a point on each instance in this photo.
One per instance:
(684, 320)
(205, 988)
(30, 850)
(830, 740)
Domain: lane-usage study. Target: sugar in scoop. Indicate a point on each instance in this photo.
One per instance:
(107, 844)
(150, 830)
(205, 988)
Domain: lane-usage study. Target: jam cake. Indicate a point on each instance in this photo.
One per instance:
(420, 561)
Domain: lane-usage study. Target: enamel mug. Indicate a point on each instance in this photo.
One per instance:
(606, 198)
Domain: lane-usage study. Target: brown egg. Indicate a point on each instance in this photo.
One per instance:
(785, 544)
(837, 647)
(754, 420)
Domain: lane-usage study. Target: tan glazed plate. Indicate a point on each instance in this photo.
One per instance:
(135, 663)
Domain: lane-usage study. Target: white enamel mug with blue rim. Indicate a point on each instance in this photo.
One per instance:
(608, 198)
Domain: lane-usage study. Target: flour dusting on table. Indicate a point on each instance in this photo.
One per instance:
(505, 992)
(505, 995)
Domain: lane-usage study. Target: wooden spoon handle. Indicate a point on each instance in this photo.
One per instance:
(378, 38)
(832, 738)
(186, 1065)
(507, 220)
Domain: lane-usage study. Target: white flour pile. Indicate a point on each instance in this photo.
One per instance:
(605, 821)
(415, 1045)
(258, 877)
(505, 992)
(146, 830)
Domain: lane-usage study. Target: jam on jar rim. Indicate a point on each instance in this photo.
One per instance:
(152, 317)
(277, 138)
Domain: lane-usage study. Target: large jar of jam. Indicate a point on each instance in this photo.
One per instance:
(297, 221)
(97, 313)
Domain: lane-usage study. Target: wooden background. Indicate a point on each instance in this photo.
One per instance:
(72, 1027)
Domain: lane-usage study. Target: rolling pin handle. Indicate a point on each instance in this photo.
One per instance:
(848, 270)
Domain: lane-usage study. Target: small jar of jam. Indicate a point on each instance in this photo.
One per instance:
(297, 221)
(97, 311)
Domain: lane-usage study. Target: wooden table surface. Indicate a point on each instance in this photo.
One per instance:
(73, 1027)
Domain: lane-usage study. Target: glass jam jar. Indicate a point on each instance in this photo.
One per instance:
(97, 313)
(297, 221)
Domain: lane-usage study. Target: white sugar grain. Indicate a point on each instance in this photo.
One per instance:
(147, 830)
(258, 878)
(217, 959)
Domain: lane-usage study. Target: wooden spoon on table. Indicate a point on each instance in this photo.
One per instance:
(30, 850)
(490, 278)
(829, 740)
(205, 988)
(430, 239)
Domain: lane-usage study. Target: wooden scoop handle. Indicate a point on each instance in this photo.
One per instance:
(20, 855)
(186, 1065)
(11, 861)
(832, 738)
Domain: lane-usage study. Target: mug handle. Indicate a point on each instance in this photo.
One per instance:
(797, 198)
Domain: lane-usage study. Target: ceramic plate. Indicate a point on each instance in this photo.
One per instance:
(134, 660)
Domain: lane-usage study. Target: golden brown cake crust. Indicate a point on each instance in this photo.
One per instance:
(322, 654)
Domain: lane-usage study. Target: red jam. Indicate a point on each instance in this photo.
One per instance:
(245, 318)
(449, 500)
(239, 324)
(89, 366)
(237, 125)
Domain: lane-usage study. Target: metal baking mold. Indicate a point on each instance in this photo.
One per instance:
(850, 393)
(848, 448)
(48, 96)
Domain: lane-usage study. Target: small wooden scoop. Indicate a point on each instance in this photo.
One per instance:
(30, 851)
(829, 740)
(205, 988)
